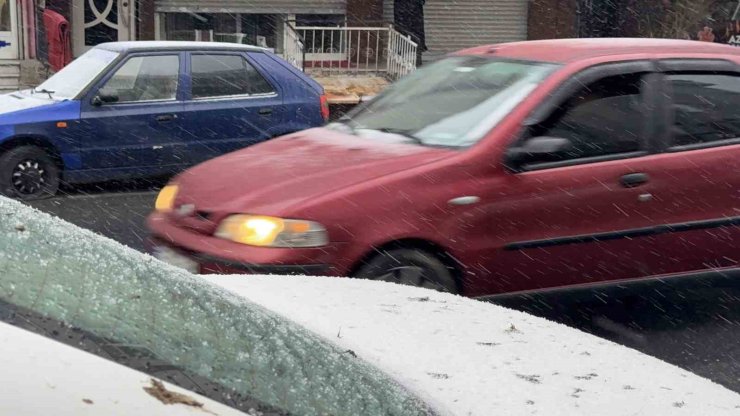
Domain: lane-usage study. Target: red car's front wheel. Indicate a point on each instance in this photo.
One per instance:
(411, 267)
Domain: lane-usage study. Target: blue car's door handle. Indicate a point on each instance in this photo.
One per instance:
(166, 117)
(265, 111)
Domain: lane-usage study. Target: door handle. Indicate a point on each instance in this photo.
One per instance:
(166, 117)
(265, 111)
(633, 180)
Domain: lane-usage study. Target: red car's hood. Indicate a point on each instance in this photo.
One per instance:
(272, 176)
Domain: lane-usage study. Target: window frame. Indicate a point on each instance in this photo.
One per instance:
(241, 55)
(650, 93)
(124, 59)
(687, 66)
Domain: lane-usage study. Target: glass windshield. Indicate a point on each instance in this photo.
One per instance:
(454, 102)
(70, 81)
(71, 285)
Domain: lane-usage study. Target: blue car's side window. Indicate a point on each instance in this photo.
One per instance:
(144, 78)
(217, 75)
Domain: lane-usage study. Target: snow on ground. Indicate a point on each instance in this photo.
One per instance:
(473, 358)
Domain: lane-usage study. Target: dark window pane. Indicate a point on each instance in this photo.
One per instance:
(604, 118)
(705, 107)
(256, 83)
(225, 75)
(5, 16)
(105, 29)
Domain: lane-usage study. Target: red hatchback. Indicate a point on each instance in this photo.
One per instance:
(503, 168)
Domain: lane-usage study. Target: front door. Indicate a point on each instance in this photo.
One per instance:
(576, 219)
(8, 30)
(133, 119)
(99, 21)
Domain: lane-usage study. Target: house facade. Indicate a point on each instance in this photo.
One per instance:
(17, 40)
(450, 25)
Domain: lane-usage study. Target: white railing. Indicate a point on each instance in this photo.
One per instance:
(293, 47)
(401, 55)
(353, 50)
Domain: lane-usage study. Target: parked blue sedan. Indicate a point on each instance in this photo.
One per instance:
(140, 109)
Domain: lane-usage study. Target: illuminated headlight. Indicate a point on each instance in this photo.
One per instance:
(262, 231)
(166, 198)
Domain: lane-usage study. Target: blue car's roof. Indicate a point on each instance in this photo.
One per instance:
(175, 45)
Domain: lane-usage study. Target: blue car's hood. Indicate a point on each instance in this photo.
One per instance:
(22, 100)
(22, 107)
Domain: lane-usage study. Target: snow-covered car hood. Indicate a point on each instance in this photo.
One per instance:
(462, 356)
(22, 100)
(472, 358)
(22, 107)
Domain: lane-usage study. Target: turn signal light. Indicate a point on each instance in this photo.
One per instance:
(166, 198)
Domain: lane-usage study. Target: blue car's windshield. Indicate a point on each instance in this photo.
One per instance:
(70, 81)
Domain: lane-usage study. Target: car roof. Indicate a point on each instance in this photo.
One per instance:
(467, 357)
(569, 50)
(175, 45)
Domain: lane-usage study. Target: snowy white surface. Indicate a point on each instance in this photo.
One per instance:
(18, 101)
(175, 44)
(45, 378)
(471, 358)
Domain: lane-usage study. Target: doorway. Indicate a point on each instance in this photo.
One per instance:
(100, 21)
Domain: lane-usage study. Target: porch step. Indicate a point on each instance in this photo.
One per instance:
(351, 89)
(10, 68)
(10, 74)
(9, 81)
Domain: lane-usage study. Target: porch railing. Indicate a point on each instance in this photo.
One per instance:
(352, 50)
(294, 50)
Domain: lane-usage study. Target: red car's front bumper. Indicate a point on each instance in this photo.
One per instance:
(217, 256)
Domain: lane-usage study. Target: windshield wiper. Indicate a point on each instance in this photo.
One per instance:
(44, 91)
(404, 133)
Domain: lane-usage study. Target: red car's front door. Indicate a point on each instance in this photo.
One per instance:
(577, 219)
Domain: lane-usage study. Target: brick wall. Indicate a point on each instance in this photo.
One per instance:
(550, 19)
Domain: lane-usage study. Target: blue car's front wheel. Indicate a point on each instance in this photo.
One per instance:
(27, 173)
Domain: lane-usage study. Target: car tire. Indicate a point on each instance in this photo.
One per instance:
(410, 267)
(28, 173)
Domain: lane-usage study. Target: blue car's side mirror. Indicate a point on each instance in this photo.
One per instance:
(101, 99)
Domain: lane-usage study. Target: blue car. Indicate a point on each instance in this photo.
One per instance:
(142, 109)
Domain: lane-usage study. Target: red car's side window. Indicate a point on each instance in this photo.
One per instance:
(705, 108)
(603, 118)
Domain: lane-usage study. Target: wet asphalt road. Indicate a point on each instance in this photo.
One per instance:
(694, 326)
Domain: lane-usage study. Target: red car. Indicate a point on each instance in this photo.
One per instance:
(504, 168)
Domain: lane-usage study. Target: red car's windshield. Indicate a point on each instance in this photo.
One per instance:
(451, 103)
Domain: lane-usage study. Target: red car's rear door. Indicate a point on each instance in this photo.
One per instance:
(697, 180)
